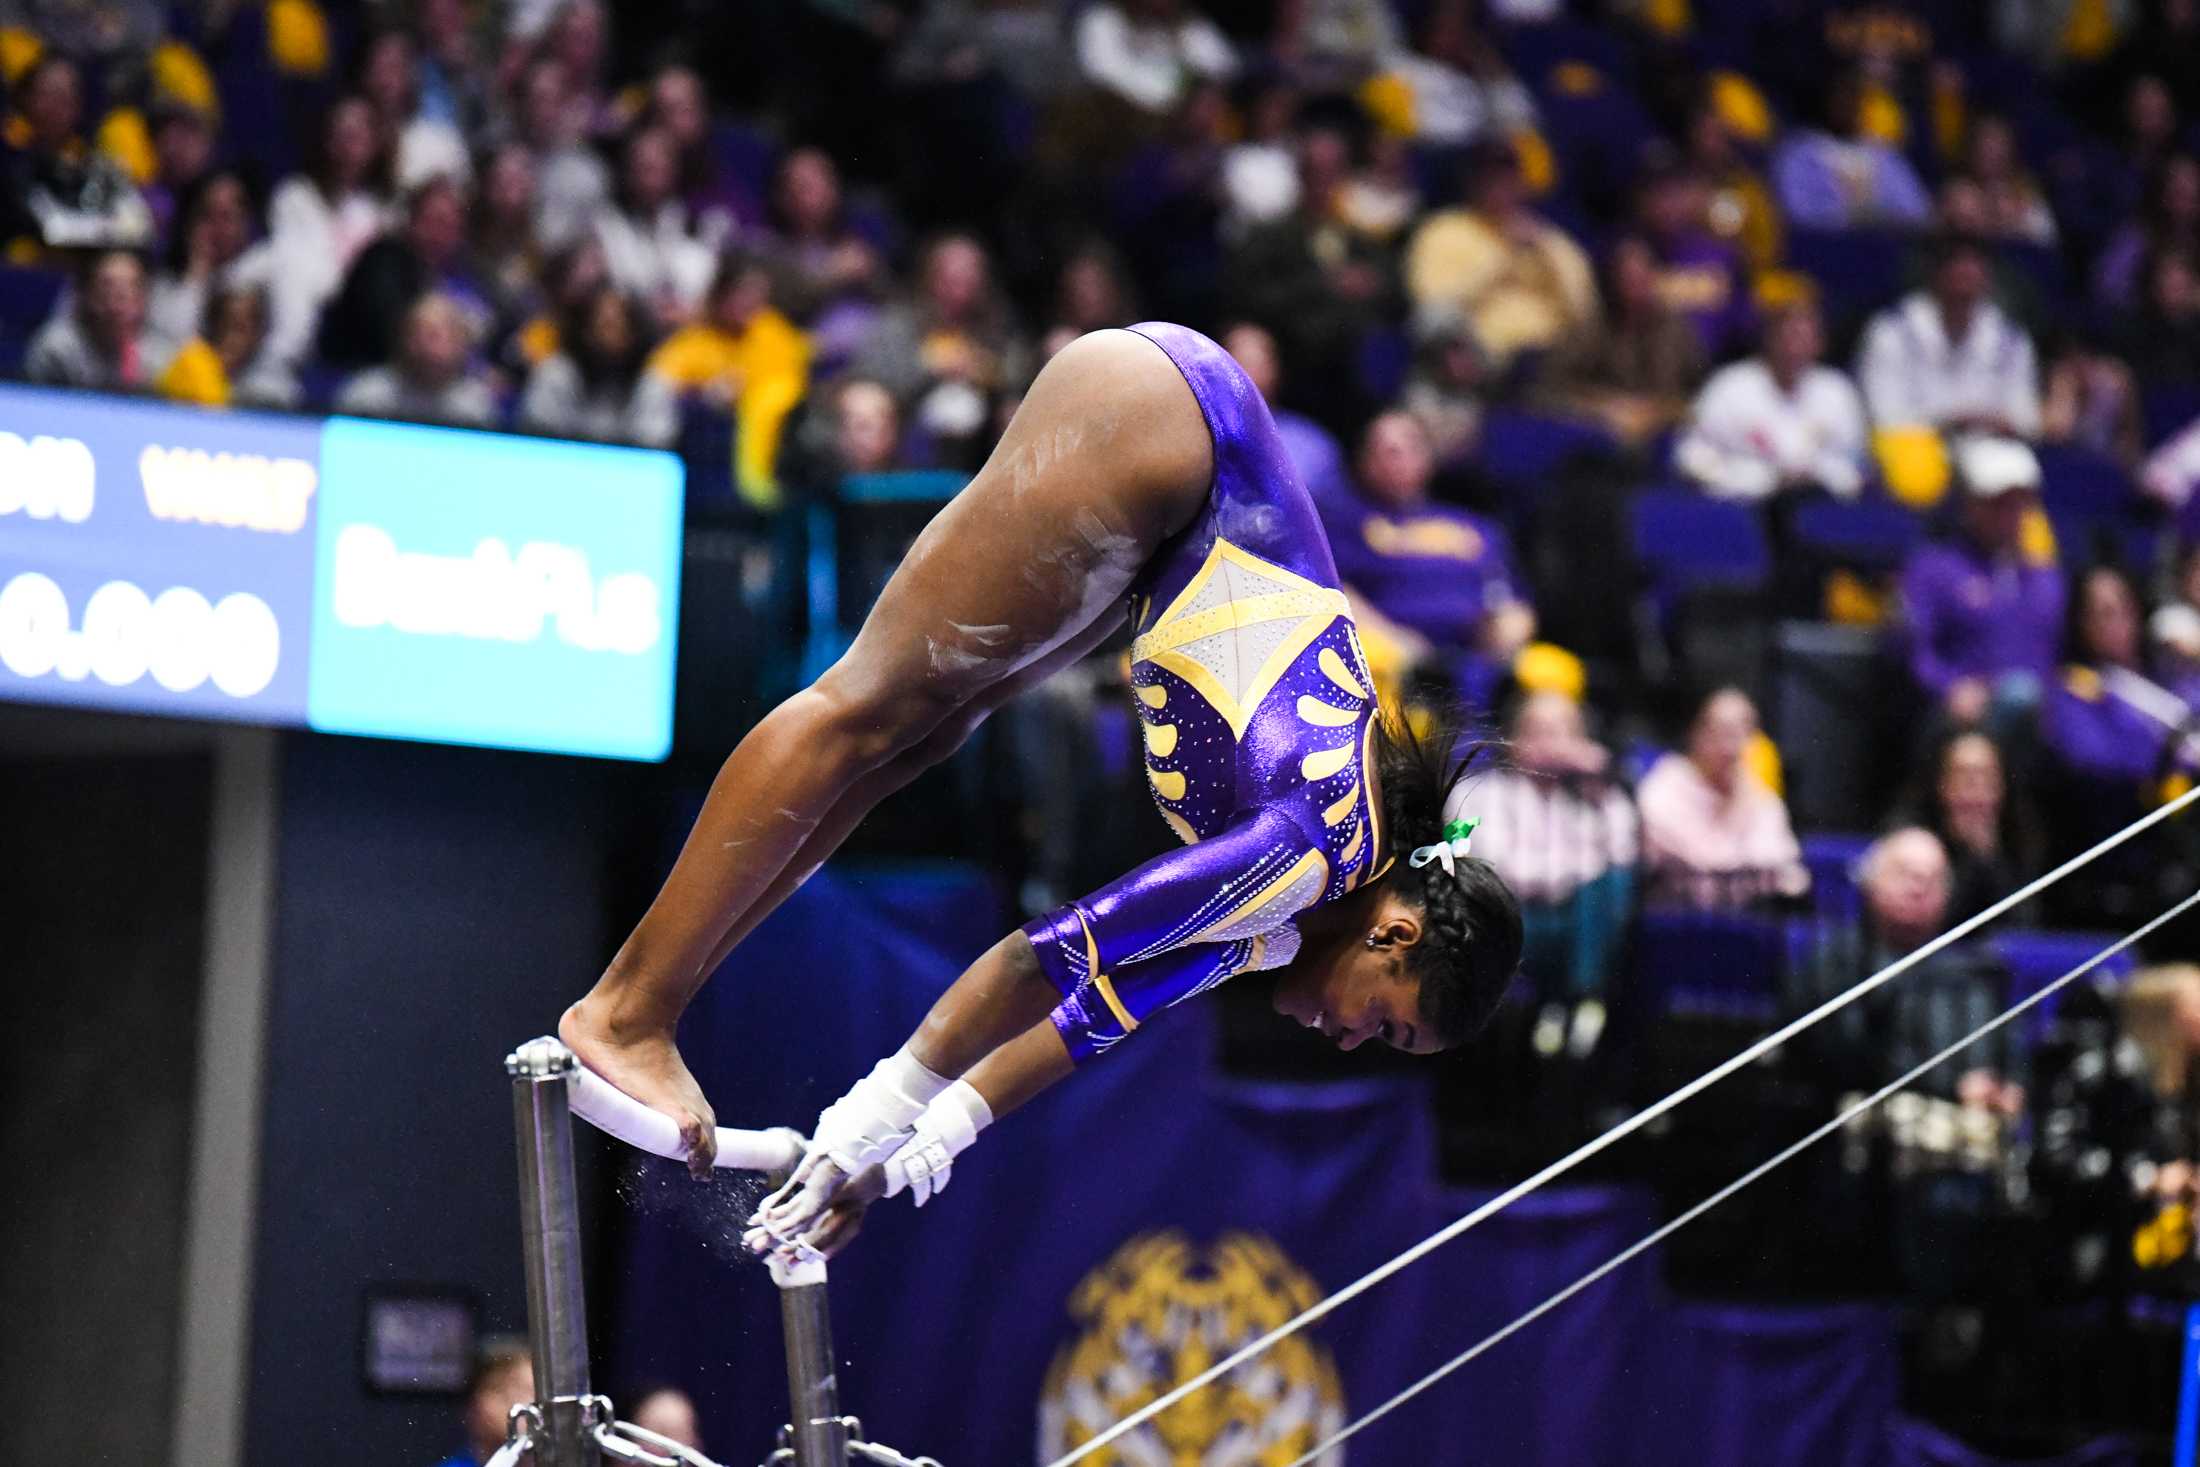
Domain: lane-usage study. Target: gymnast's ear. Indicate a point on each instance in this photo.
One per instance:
(1397, 927)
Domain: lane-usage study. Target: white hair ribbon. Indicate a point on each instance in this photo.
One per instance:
(1458, 838)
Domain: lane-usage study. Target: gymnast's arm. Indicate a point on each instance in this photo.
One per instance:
(1014, 1073)
(1077, 959)
(1068, 955)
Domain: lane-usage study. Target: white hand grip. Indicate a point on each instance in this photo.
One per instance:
(614, 1112)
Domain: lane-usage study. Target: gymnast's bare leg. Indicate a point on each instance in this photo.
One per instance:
(1108, 457)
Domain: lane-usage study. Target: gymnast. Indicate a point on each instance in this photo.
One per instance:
(1141, 476)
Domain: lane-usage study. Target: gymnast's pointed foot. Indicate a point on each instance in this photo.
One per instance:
(644, 1062)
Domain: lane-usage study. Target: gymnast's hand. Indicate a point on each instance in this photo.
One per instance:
(840, 1224)
(857, 1132)
(845, 1152)
(646, 1065)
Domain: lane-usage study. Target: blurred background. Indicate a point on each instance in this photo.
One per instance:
(435, 430)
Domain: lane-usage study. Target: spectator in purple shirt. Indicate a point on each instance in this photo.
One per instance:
(1435, 582)
(2111, 734)
(1700, 276)
(1984, 617)
(2107, 722)
(1313, 449)
(2169, 219)
(1837, 177)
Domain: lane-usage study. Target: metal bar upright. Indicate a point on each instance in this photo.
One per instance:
(550, 1232)
(819, 1432)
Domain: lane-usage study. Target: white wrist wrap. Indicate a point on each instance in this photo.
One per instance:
(866, 1125)
(945, 1130)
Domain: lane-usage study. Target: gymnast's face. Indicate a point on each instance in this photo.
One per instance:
(1353, 992)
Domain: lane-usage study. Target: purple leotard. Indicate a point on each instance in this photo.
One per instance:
(1259, 724)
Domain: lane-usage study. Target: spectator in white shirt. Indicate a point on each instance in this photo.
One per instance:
(1778, 421)
(421, 147)
(594, 387)
(1564, 835)
(1947, 357)
(1455, 85)
(319, 222)
(654, 254)
(430, 381)
(571, 181)
(1148, 52)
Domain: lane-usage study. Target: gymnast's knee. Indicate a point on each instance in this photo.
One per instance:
(865, 723)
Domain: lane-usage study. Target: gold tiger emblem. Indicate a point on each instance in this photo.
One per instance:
(1157, 1312)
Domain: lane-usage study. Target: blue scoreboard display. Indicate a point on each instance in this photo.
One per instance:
(341, 575)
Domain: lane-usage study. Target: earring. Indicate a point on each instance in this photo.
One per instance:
(1371, 939)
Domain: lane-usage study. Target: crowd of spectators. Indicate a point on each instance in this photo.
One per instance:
(1905, 291)
(1932, 263)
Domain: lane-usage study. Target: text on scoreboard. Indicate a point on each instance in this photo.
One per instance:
(342, 575)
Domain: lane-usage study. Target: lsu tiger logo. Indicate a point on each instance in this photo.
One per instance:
(1159, 1311)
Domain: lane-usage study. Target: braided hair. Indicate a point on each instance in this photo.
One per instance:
(1470, 920)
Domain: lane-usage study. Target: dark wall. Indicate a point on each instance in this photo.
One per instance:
(434, 907)
(102, 885)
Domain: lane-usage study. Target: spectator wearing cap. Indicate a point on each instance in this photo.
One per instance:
(1435, 584)
(1312, 449)
(1948, 358)
(361, 323)
(741, 354)
(1984, 614)
(1778, 422)
(97, 338)
(594, 386)
(1514, 277)
(429, 380)
(1563, 833)
(1714, 832)
(1836, 176)
(1148, 53)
